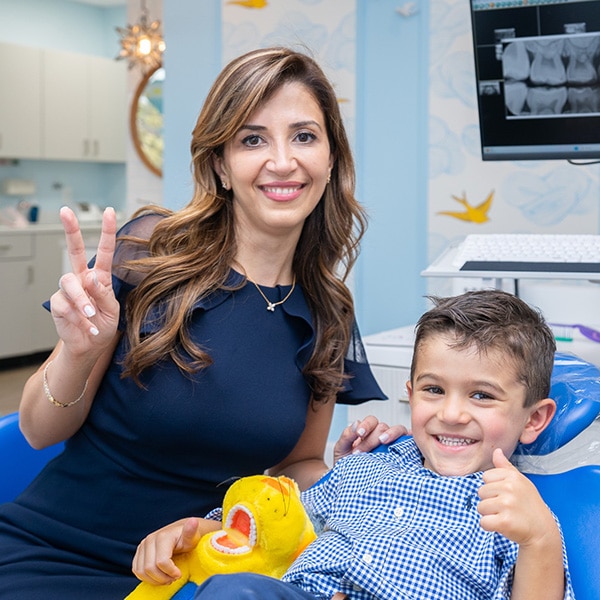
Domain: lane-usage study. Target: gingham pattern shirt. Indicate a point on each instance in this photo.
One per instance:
(391, 529)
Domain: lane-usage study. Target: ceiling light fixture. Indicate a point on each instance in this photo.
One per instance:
(142, 44)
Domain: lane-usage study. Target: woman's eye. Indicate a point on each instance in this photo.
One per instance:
(306, 136)
(252, 140)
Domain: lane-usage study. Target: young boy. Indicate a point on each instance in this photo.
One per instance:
(443, 514)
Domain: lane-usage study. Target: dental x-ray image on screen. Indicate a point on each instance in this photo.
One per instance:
(538, 75)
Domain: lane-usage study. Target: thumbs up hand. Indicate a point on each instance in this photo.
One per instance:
(511, 505)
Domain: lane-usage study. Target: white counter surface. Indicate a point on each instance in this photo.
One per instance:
(47, 228)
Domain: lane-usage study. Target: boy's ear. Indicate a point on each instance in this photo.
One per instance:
(539, 418)
(409, 392)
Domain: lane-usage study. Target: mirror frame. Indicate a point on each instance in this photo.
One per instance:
(133, 123)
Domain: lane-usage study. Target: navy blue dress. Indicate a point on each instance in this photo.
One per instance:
(147, 457)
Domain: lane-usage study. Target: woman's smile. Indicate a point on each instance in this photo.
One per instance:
(282, 192)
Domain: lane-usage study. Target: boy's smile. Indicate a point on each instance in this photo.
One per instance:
(464, 404)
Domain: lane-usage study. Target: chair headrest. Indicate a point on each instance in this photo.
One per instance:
(576, 390)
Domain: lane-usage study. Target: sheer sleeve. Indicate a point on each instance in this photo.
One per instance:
(362, 385)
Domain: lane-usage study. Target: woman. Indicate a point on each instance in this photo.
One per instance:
(206, 344)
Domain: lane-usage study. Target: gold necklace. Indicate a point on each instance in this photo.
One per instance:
(271, 305)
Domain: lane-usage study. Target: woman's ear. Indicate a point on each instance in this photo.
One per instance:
(539, 418)
(217, 162)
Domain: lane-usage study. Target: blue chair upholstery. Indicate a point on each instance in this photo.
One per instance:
(574, 497)
(19, 462)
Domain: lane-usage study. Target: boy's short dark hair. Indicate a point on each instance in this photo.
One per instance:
(493, 319)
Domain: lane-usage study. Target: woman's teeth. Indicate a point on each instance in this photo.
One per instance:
(281, 190)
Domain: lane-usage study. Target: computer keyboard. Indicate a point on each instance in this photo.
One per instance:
(524, 252)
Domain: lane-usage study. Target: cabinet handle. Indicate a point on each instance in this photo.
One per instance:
(86, 147)
(30, 274)
(96, 148)
(5, 247)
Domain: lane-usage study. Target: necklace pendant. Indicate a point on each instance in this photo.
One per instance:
(271, 307)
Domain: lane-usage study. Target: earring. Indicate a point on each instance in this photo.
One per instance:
(329, 177)
(224, 184)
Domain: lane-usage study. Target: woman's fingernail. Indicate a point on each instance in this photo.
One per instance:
(95, 278)
(383, 438)
(354, 426)
(89, 311)
(355, 451)
(94, 330)
(361, 432)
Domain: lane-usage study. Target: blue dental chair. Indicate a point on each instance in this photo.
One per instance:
(573, 495)
(19, 462)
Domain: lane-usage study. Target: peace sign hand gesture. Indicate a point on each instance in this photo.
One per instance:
(85, 309)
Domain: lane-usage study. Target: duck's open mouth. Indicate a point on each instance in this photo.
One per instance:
(239, 534)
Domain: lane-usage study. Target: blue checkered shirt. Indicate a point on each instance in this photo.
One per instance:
(392, 529)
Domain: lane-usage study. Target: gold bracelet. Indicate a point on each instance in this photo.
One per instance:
(51, 397)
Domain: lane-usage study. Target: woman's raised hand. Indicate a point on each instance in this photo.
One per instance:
(84, 308)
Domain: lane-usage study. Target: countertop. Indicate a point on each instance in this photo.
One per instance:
(47, 228)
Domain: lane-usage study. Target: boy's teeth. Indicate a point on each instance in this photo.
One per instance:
(453, 441)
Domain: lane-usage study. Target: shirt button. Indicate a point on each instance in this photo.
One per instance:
(398, 512)
(367, 558)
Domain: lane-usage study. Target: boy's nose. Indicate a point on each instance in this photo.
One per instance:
(453, 410)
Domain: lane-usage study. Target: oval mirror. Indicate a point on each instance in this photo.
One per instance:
(146, 120)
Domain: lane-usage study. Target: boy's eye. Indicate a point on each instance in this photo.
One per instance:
(482, 396)
(433, 389)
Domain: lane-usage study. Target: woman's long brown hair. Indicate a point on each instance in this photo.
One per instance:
(191, 251)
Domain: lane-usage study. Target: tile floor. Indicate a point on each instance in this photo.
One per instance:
(11, 386)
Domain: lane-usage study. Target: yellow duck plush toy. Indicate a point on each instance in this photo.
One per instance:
(265, 527)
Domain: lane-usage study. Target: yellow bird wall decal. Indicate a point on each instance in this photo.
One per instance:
(249, 3)
(473, 214)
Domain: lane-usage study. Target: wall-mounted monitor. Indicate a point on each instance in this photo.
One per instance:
(537, 65)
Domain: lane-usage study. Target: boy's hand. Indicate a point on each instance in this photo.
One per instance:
(512, 506)
(153, 560)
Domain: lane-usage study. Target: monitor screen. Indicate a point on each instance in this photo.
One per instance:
(537, 65)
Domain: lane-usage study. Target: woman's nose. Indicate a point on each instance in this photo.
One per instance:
(282, 160)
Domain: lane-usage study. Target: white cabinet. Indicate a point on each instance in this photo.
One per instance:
(20, 102)
(31, 263)
(85, 107)
(390, 356)
(16, 273)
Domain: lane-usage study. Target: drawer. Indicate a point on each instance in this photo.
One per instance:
(16, 246)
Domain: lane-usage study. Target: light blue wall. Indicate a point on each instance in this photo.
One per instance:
(62, 25)
(192, 60)
(391, 144)
(391, 158)
(71, 27)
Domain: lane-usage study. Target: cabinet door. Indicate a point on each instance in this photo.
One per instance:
(65, 122)
(20, 102)
(85, 107)
(16, 274)
(47, 270)
(108, 109)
